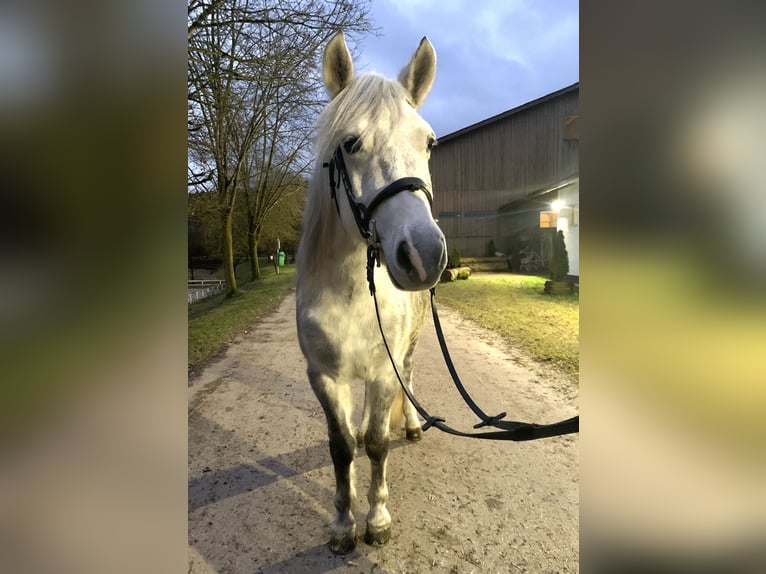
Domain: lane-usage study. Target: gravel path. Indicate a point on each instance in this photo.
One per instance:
(261, 482)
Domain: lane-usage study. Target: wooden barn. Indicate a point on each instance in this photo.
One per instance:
(496, 182)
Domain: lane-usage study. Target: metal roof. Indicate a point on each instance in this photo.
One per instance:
(539, 192)
(509, 113)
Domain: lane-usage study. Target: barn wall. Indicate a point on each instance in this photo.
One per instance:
(479, 169)
(569, 223)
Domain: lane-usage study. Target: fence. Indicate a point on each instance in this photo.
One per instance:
(200, 288)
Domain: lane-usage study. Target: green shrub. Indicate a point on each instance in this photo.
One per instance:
(453, 260)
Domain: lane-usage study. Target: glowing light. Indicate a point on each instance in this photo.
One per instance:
(557, 205)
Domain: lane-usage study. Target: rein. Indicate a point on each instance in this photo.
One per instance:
(508, 430)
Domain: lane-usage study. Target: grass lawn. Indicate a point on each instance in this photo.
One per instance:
(514, 306)
(545, 326)
(215, 321)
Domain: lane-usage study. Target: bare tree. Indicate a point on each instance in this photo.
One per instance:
(284, 221)
(248, 63)
(281, 154)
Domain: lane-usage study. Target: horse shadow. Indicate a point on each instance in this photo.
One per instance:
(212, 491)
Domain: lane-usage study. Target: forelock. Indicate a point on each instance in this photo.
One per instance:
(369, 96)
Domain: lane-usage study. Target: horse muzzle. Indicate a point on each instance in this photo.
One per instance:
(418, 259)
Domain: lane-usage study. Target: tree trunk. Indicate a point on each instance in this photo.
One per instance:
(252, 246)
(449, 275)
(228, 256)
(255, 268)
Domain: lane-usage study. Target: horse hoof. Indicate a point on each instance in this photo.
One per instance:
(414, 435)
(379, 538)
(343, 545)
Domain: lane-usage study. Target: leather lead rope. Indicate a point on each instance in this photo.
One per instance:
(509, 430)
(568, 426)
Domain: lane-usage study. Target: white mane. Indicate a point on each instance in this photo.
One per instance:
(372, 97)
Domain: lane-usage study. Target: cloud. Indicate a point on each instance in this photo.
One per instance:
(492, 56)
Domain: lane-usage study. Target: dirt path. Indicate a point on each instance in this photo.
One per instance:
(261, 482)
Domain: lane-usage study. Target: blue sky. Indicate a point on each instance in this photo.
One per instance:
(492, 55)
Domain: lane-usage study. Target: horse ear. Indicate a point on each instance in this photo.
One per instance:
(418, 76)
(337, 66)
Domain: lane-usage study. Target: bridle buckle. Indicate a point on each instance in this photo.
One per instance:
(373, 255)
(372, 235)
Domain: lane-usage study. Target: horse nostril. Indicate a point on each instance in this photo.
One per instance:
(408, 259)
(403, 257)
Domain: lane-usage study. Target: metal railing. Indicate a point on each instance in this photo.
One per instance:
(201, 288)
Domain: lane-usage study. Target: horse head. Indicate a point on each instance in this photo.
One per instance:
(372, 134)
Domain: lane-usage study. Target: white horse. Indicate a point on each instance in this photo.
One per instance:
(372, 132)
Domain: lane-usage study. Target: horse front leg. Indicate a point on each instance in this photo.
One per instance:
(365, 421)
(335, 399)
(379, 398)
(411, 421)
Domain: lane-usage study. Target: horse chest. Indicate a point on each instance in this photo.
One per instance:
(350, 327)
(351, 321)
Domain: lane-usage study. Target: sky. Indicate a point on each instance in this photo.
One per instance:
(492, 55)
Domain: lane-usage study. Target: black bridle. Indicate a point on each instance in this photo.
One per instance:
(363, 213)
(508, 430)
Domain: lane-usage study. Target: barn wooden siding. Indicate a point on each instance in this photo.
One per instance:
(501, 160)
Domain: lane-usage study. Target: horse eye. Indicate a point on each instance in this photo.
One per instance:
(352, 144)
(431, 143)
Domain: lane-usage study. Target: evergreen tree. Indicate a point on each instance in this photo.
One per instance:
(560, 263)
